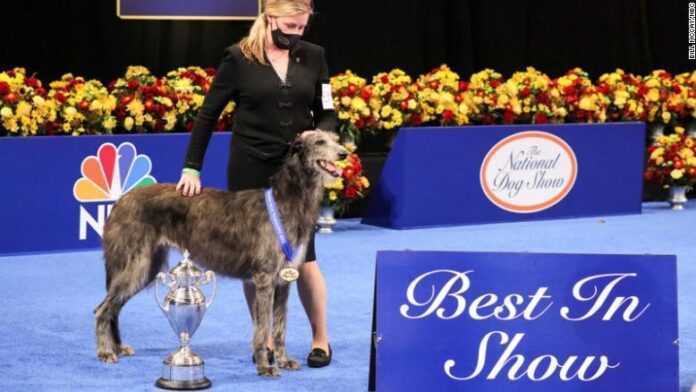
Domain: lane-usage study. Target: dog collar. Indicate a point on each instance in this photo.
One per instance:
(278, 225)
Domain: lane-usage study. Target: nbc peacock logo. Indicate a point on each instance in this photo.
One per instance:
(106, 176)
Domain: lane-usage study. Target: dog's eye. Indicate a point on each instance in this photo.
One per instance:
(320, 142)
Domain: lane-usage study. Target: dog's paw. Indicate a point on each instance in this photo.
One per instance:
(107, 357)
(126, 351)
(268, 371)
(288, 363)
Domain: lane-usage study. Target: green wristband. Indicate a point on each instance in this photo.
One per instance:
(188, 170)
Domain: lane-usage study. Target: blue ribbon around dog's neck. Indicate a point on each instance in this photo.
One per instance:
(278, 225)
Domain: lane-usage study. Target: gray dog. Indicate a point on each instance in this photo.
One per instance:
(227, 232)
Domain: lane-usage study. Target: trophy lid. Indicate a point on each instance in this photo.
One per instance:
(187, 270)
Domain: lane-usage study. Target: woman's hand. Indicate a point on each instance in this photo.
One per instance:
(189, 184)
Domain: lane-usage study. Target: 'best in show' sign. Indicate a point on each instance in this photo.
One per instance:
(525, 322)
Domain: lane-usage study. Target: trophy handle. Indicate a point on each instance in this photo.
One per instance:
(161, 278)
(210, 277)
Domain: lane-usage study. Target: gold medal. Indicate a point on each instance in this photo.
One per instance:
(289, 274)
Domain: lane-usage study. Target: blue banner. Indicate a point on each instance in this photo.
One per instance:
(187, 9)
(59, 190)
(483, 174)
(482, 322)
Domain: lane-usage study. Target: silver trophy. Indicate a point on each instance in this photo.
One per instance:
(184, 307)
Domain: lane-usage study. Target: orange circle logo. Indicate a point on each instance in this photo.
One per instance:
(528, 172)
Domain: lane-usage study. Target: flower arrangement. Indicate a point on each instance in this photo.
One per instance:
(524, 98)
(350, 186)
(84, 107)
(24, 107)
(622, 96)
(145, 102)
(482, 96)
(575, 99)
(672, 160)
(442, 98)
(189, 86)
(396, 98)
(681, 103)
(655, 92)
(356, 106)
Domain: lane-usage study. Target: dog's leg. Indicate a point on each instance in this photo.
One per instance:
(123, 285)
(280, 313)
(262, 323)
(106, 344)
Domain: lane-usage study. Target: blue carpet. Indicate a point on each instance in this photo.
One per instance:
(47, 328)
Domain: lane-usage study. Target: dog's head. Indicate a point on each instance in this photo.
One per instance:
(319, 150)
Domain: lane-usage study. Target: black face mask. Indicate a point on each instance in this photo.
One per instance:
(283, 40)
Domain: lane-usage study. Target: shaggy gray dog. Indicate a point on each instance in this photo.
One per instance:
(227, 232)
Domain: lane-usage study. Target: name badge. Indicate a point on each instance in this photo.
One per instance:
(326, 98)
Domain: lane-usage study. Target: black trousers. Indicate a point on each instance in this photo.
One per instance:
(246, 171)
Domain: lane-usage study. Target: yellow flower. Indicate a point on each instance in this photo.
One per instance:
(653, 95)
(23, 109)
(386, 111)
(128, 123)
(666, 116)
(365, 182)
(332, 196)
(677, 174)
(6, 112)
(109, 123)
(679, 130)
(356, 104)
(657, 153)
(587, 103)
(136, 107)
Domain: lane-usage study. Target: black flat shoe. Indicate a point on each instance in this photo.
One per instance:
(271, 356)
(318, 358)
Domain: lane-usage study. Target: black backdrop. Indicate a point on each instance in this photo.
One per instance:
(85, 37)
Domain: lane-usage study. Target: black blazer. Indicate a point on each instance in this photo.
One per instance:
(269, 112)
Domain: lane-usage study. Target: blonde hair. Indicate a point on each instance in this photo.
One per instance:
(254, 44)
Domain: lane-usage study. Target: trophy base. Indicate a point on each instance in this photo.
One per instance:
(183, 385)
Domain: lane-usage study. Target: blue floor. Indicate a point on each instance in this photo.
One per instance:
(47, 328)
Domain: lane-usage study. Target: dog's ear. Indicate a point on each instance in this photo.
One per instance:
(296, 146)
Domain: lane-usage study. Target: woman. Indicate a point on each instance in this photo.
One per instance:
(280, 86)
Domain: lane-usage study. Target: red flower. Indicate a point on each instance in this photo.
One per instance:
(4, 88)
(32, 82)
(351, 192)
(133, 84)
(348, 173)
(649, 175)
(525, 92)
(463, 86)
(60, 97)
(385, 79)
(495, 83)
(603, 88)
(540, 118)
(366, 94)
(360, 124)
(508, 117)
(447, 115)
